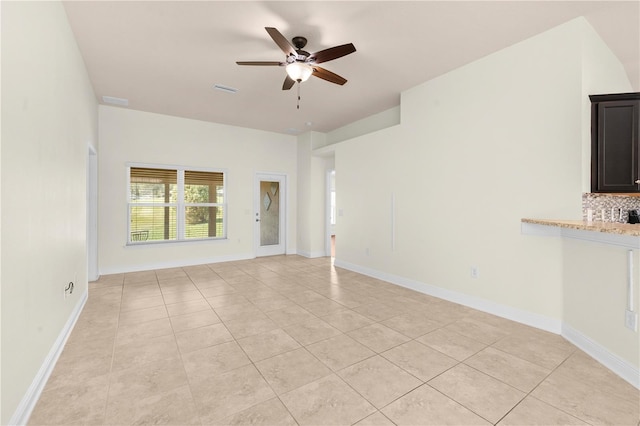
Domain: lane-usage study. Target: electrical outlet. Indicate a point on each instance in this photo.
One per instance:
(631, 320)
(475, 272)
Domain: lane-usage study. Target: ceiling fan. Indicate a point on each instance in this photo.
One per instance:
(300, 64)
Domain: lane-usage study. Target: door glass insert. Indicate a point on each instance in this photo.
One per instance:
(269, 213)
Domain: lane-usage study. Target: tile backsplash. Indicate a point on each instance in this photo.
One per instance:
(610, 205)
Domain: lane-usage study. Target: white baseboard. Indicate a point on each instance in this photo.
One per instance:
(312, 254)
(119, 269)
(29, 400)
(529, 318)
(619, 366)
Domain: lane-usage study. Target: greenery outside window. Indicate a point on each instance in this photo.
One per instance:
(175, 204)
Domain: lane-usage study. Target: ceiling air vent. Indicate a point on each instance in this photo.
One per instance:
(223, 88)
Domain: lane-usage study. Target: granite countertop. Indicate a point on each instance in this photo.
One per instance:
(607, 227)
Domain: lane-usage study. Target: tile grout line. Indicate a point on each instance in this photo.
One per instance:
(530, 393)
(258, 272)
(175, 337)
(263, 378)
(113, 351)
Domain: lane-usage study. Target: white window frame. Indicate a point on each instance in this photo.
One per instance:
(180, 204)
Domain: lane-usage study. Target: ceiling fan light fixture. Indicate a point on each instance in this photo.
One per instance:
(299, 71)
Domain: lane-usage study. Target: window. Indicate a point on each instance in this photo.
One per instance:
(175, 204)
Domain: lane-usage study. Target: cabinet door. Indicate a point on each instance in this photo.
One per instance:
(618, 165)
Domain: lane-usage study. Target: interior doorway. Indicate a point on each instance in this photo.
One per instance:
(270, 214)
(330, 225)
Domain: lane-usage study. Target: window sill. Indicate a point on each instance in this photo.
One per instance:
(177, 242)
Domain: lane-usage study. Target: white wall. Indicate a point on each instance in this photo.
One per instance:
(477, 149)
(595, 297)
(135, 136)
(1, 418)
(317, 207)
(311, 193)
(375, 122)
(304, 195)
(49, 116)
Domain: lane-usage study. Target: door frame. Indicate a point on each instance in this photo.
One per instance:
(284, 214)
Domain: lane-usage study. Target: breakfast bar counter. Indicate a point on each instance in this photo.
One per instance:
(632, 230)
(599, 286)
(617, 234)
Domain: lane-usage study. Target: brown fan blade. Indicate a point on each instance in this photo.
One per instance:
(332, 53)
(261, 63)
(282, 42)
(328, 75)
(288, 83)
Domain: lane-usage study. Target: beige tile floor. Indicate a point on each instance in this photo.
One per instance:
(289, 340)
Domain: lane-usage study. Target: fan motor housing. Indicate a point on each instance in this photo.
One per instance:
(302, 55)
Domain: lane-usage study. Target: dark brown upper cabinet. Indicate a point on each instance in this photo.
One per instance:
(615, 147)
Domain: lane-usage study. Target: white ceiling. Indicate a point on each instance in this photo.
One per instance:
(165, 56)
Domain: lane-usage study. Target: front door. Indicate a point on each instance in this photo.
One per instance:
(270, 214)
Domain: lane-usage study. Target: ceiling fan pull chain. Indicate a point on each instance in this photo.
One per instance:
(298, 94)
